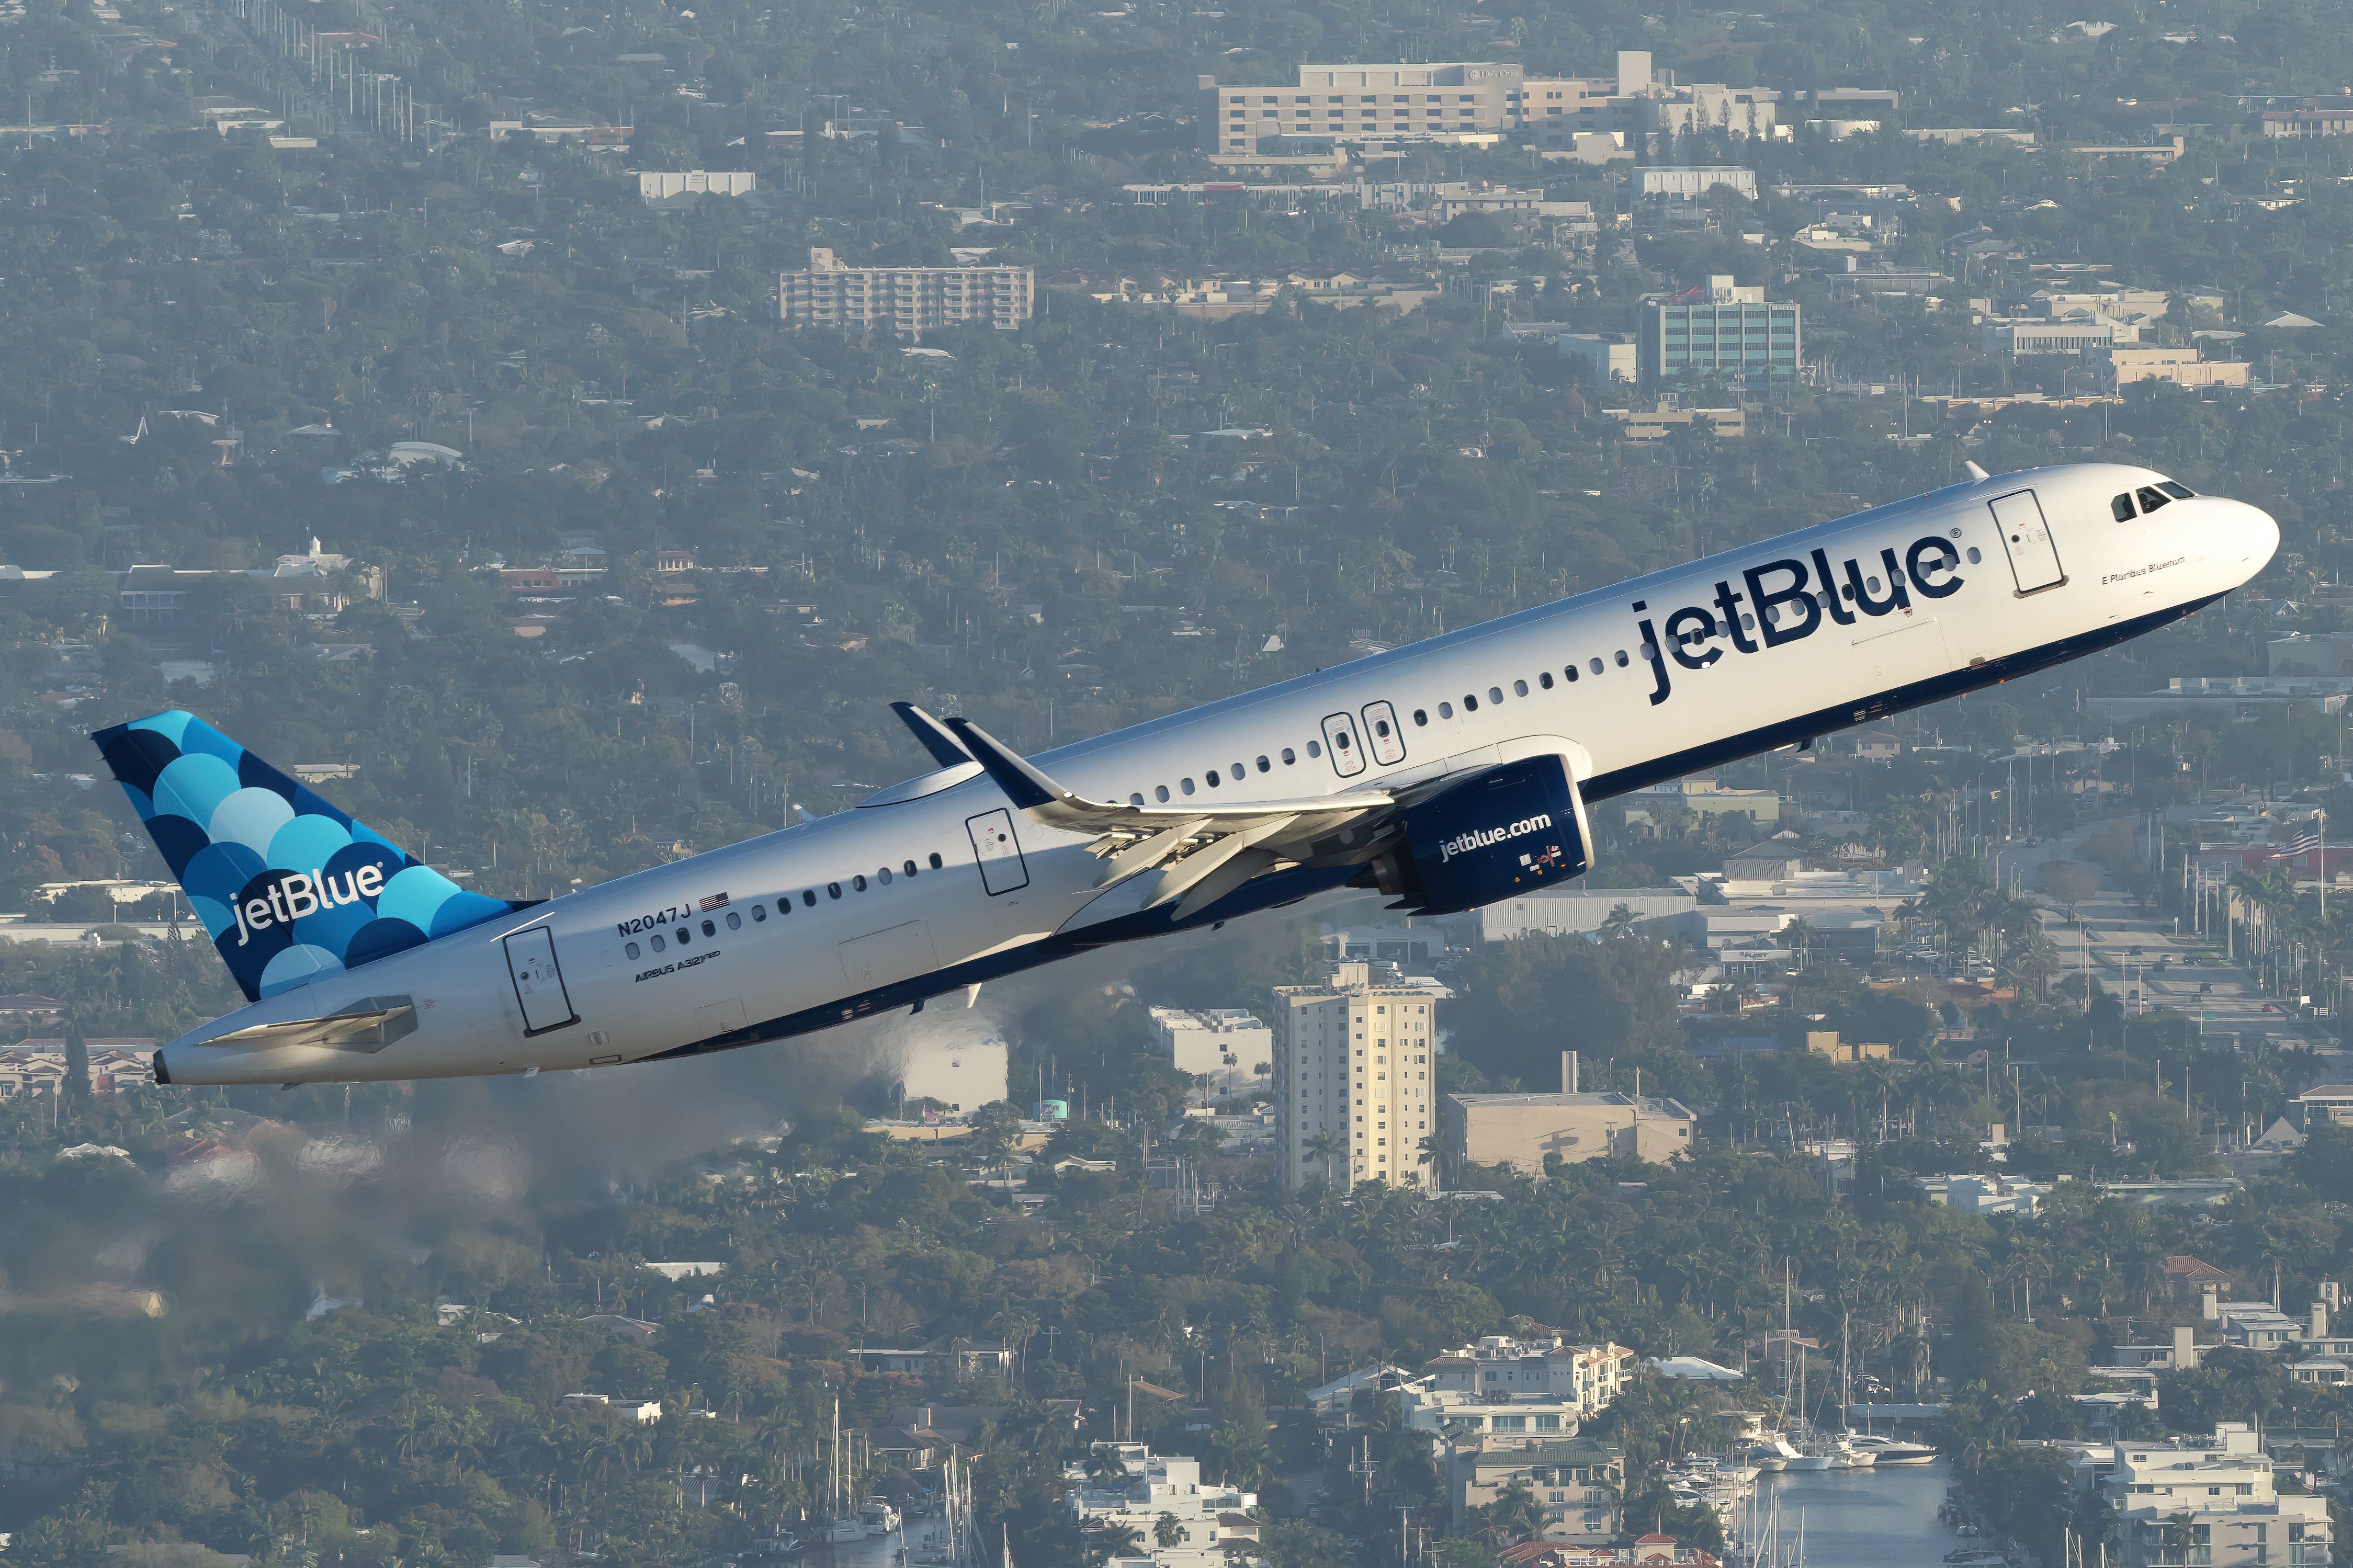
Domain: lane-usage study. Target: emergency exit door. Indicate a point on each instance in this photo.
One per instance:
(2033, 555)
(1002, 869)
(1340, 735)
(1382, 734)
(538, 983)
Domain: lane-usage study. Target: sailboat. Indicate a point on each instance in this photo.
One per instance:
(845, 1524)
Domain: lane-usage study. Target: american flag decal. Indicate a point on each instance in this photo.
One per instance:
(715, 901)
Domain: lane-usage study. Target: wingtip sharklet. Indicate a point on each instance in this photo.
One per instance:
(933, 736)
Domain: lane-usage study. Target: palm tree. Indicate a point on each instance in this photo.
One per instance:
(1166, 1531)
(1106, 1542)
(1104, 1466)
(1325, 1145)
(1795, 935)
(1241, 1455)
(1620, 921)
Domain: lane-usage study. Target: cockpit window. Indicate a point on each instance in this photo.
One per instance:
(2151, 500)
(2177, 490)
(2123, 507)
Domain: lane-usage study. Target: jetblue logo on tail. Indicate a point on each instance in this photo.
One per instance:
(298, 897)
(288, 885)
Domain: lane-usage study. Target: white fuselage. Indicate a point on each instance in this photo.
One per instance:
(822, 922)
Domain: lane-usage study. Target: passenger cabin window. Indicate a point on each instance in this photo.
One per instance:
(935, 860)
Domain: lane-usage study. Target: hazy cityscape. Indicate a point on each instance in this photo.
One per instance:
(555, 437)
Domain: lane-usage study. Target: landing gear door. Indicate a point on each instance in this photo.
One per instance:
(1002, 869)
(1340, 741)
(538, 983)
(1382, 735)
(2033, 555)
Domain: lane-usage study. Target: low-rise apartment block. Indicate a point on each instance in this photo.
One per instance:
(1535, 1420)
(1577, 1482)
(2212, 1504)
(1230, 1048)
(1474, 102)
(1507, 1367)
(904, 299)
(1213, 1522)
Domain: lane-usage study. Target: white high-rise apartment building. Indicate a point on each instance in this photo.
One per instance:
(829, 293)
(1353, 1079)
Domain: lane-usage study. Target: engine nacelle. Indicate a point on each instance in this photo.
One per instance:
(1509, 829)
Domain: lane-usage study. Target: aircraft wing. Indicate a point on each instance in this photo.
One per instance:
(1043, 800)
(1201, 838)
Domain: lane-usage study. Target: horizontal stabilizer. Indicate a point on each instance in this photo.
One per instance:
(368, 1026)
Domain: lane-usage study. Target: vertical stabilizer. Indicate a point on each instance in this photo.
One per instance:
(288, 885)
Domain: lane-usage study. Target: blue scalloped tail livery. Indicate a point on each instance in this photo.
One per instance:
(290, 887)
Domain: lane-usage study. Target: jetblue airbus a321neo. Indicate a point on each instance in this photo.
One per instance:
(1447, 775)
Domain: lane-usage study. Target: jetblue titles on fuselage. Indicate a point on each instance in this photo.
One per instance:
(1931, 566)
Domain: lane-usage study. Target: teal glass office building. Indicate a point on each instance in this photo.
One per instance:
(1744, 339)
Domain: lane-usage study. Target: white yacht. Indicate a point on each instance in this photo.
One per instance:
(1892, 1451)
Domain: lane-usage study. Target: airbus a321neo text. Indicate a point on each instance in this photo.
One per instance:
(1446, 775)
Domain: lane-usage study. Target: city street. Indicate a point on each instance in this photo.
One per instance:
(2127, 946)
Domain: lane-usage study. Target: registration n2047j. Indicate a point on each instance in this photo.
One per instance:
(659, 918)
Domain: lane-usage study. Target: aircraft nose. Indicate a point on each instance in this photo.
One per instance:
(2257, 532)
